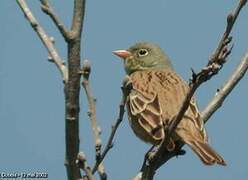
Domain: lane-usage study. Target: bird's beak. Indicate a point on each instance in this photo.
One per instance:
(122, 53)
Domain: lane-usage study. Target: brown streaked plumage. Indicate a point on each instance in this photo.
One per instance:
(156, 98)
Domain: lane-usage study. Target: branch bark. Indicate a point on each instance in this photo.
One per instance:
(78, 16)
(72, 92)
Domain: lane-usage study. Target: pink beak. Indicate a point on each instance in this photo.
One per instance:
(122, 53)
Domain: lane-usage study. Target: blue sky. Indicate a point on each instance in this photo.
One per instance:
(31, 91)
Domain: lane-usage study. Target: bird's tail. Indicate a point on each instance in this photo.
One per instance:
(205, 152)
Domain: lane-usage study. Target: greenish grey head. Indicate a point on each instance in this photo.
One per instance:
(144, 56)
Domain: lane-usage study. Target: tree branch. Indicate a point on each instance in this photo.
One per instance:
(78, 15)
(216, 62)
(82, 163)
(231, 19)
(126, 86)
(72, 92)
(92, 115)
(71, 78)
(226, 88)
(45, 39)
(47, 9)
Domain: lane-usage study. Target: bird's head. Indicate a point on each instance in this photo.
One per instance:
(143, 56)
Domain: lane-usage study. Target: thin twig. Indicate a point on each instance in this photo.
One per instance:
(231, 19)
(47, 9)
(216, 62)
(92, 107)
(82, 163)
(125, 90)
(45, 39)
(92, 115)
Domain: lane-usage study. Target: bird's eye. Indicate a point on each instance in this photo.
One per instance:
(142, 52)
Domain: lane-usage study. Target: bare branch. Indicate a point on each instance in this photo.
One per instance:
(158, 158)
(47, 9)
(78, 16)
(224, 91)
(92, 107)
(72, 95)
(231, 19)
(45, 39)
(125, 90)
(92, 115)
(82, 163)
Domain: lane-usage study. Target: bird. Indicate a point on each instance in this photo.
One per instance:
(155, 98)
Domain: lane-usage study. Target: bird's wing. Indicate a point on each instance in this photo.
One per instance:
(144, 105)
